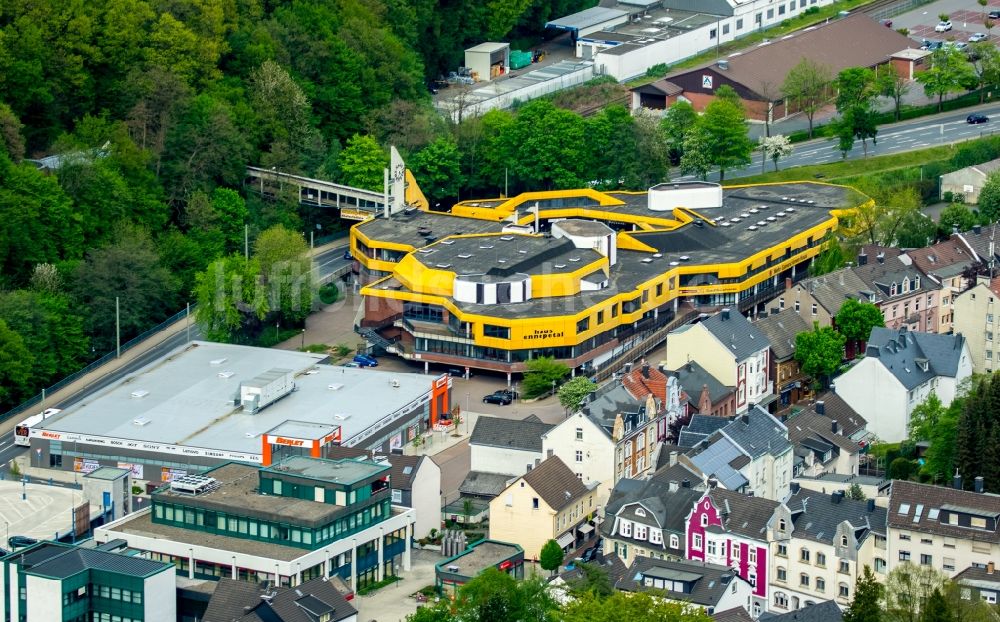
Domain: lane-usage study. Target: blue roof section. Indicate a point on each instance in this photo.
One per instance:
(914, 358)
(61, 561)
(735, 332)
(715, 460)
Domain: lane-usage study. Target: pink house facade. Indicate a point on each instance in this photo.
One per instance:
(730, 529)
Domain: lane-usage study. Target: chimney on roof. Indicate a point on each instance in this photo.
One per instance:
(820, 407)
(837, 496)
(794, 487)
(645, 369)
(977, 229)
(745, 417)
(834, 427)
(978, 483)
(762, 315)
(862, 258)
(956, 481)
(673, 486)
(871, 505)
(713, 481)
(686, 483)
(725, 314)
(990, 568)
(788, 282)
(880, 257)
(673, 458)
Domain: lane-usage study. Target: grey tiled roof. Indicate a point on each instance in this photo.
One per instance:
(692, 377)
(979, 577)
(63, 561)
(736, 614)
(923, 508)
(831, 290)
(709, 587)
(483, 484)
(610, 399)
(497, 432)
(555, 483)
(879, 277)
(808, 425)
(664, 508)
(739, 336)
(404, 469)
(758, 432)
(743, 515)
(826, 611)
(780, 328)
(700, 428)
(903, 352)
(240, 601)
(815, 516)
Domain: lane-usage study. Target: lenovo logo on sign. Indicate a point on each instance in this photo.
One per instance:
(280, 440)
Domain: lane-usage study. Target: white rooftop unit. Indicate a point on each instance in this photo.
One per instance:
(194, 484)
(266, 388)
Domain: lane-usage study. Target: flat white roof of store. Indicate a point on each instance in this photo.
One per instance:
(187, 399)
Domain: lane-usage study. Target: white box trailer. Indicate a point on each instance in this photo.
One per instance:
(266, 388)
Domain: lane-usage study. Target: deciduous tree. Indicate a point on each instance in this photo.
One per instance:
(907, 588)
(949, 72)
(362, 163)
(541, 374)
(724, 129)
(989, 197)
(807, 85)
(819, 351)
(774, 147)
(551, 556)
(437, 168)
(677, 124)
(572, 394)
(893, 85)
(856, 319)
(15, 366)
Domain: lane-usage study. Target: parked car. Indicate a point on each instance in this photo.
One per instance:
(347, 255)
(931, 45)
(508, 391)
(18, 542)
(498, 397)
(994, 14)
(351, 364)
(456, 372)
(589, 555)
(887, 23)
(976, 118)
(961, 46)
(943, 26)
(976, 37)
(363, 360)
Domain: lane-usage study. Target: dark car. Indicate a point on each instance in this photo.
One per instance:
(347, 255)
(18, 542)
(887, 23)
(455, 372)
(363, 360)
(590, 554)
(976, 119)
(994, 14)
(498, 397)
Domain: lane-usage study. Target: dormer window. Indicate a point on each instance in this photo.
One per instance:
(892, 289)
(640, 512)
(843, 540)
(781, 525)
(906, 284)
(916, 282)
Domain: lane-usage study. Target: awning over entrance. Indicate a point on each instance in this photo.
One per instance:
(566, 539)
(585, 528)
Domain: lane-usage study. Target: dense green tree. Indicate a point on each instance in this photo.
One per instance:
(985, 65)
(11, 140)
(572, 394)
(949, 72)
(892, 84)
(936, 609)
(926, 416)
(989, 198)
(541, 375)
(724, 127)
(819, 351)
(833, 257)
(548, 147)
(362, 163)
(807, 87)
(652, 151)
(622, 607)
(612, 131)
(695, 158)
(866, 606)
(551, 556)
(593, 579)
(286, 272)
(130, 271)
(51, 328)
(677, 123)
(495, 596)
(184, 257)
(438, 169)
(855, 101)
(15, 366)
(956, 217)
(856, 319)
(37, 223)
(284, 120)
(908, 586)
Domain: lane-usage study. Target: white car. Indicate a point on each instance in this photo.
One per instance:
(943, 26)
(977, 37)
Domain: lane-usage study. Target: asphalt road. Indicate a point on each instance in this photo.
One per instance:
(919, 133)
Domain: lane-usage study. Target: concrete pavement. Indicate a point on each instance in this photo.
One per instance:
(393, 603)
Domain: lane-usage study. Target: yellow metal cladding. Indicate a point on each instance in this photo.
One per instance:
(432, 286)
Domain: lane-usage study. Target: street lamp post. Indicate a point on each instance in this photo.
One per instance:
(303, 339)
(24, 489)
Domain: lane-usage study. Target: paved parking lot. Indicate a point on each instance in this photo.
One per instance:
(966, 18)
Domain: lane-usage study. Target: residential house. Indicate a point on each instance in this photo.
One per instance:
(647, 518)
(871, 486)
(712, 587)
(416, 483)
(823, 611)
(948, 529)
(946, 262)
(587, 448)
(730, 529)
(730, 348)
(58, 581)
(702, 392)
(781, 330)
(968, 182)
(900, 369)
(977, 318)
(820, 545)
(977, 583)
(506, 446)
(315, 600)
(905, 296)
(751, 454)
(818, 299)
(549, 502)
(736, 614)
(822, 443)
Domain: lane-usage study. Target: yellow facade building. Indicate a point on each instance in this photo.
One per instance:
(580, 275)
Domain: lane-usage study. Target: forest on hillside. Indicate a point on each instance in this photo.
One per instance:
(156, 106)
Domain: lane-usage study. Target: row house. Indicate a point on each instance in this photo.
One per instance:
(900, 370)
(818, 300)
(781, 329)
(947, 263)
(702, 393)
(820, 544)
(648, 518)
(709, 587)
(948, 529)
(549, 502)
(823, 439)
(750, 454)
(506, 446)
(731, 530)
(904, 294)
(730, 348)
(977, 318)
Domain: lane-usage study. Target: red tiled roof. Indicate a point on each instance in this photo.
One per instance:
(639, 386)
